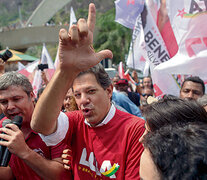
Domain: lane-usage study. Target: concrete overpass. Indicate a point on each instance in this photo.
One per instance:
(45, 11)
(23, 38)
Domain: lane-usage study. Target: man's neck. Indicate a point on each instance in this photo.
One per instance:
(26, 129)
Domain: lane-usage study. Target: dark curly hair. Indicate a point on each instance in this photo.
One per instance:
(179, 152)
(173, 110)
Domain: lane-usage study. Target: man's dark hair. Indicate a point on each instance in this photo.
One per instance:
(101, 75)
(173, 110)
(195, 79)
(179, 152)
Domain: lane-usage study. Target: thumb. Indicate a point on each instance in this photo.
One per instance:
(104, 54)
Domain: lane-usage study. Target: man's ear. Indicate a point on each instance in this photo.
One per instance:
(32, 96)
(110, 90)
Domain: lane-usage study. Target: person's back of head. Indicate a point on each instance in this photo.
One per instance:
(15, 79)
(179, 152)
(173, 110)
(192, 88)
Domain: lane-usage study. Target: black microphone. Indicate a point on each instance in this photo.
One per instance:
(2, 148)
(7, 155)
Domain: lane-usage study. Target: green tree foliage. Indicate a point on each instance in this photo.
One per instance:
(111, 35)
(6, 16)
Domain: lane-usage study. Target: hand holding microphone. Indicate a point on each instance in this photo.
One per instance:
(13, 140)
(2, 148)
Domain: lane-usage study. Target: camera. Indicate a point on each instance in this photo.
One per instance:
(6, 55)
(42, 66)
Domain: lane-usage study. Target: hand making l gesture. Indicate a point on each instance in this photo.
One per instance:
(76, 51)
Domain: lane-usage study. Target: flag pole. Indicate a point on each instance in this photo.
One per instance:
(133, 55)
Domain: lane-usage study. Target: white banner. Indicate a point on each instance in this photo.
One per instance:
(137, 53)
(188, 19)
(147, 43)
(127, 11)
(156, 50)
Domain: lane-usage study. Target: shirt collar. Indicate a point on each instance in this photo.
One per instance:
(108, 117)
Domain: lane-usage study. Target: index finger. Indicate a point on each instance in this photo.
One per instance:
(91, 17)
(12, 127)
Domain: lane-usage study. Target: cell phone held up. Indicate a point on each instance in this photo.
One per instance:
(42, 67)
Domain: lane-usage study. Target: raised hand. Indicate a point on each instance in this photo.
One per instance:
(14, 140)
(76, 51)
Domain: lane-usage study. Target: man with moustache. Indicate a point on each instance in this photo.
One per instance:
(104, 141)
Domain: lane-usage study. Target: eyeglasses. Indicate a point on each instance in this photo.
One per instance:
(146, 95)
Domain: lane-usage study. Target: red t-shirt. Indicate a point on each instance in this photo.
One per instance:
(20, 169)
(107, 148)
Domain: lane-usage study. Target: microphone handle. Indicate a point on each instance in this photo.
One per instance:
(2, 149)
(6, 158)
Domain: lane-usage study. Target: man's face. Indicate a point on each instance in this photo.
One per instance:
(91, 98)
(145, 94)
(147, 82)
(68, 100)
(191, 90)
(14, 101)
(148, 170)
(115, 80)
(122, 87)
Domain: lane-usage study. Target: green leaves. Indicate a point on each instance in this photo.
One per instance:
(111, 35)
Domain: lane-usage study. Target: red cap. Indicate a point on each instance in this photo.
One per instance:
(122, 81)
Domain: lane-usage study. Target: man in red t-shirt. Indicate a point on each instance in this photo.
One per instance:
(31, 158)
(104, 141)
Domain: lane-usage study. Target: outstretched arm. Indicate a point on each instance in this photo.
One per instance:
(76, 54)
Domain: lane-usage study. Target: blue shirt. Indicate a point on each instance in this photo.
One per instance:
(123, 101)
